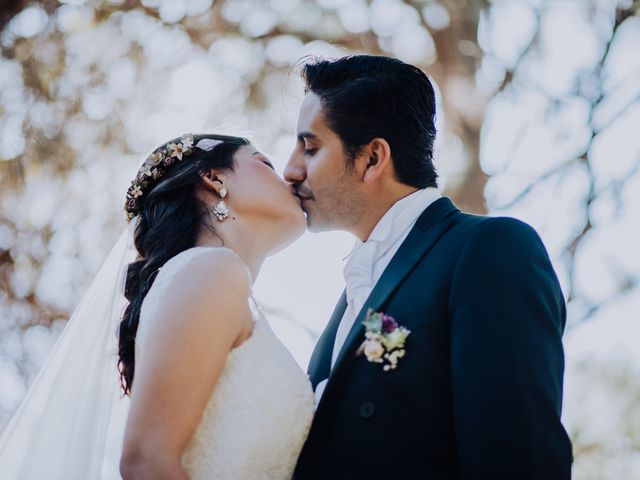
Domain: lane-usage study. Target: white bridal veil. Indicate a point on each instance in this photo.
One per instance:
(71, 422)
(70, 425)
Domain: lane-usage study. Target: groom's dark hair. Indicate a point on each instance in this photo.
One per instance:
(366, 97)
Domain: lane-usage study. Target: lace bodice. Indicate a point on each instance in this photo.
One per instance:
(260, 410)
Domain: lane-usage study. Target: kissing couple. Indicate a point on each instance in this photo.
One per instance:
(442, 360)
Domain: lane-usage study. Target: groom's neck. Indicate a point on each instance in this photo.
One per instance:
(378, 206)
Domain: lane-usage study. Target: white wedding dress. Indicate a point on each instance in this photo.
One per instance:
(260, 410)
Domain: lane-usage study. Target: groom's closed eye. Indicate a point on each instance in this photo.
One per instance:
(310, 151)
(303, 138)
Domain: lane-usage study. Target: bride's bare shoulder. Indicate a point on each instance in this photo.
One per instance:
(207, 280)
(209, 265)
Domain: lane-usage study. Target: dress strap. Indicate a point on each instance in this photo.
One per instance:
(256, 311)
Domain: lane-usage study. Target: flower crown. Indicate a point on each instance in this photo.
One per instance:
(157, 165)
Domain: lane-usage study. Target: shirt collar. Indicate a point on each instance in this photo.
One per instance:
(400, 216)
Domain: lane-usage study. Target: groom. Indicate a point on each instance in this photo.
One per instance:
(461, 378)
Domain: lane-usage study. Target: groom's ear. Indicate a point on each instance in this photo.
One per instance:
(377, 160)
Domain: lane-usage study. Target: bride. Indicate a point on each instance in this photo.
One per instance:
(209, 390)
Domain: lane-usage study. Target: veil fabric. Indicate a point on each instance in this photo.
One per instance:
(70, 424)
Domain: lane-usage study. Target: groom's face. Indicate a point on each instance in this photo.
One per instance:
(320, 172)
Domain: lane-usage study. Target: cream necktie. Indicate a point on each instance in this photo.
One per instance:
(358, 273)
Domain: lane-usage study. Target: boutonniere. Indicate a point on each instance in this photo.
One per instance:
(384, 340)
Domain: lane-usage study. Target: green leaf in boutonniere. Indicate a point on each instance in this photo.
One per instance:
(373, 321)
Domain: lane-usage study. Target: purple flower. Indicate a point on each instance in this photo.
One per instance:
(388, 324)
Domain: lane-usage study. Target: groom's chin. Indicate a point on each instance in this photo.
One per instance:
(316, 223)
(311, 225)
(318, 227)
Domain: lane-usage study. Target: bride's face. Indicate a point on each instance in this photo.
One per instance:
(259, 197)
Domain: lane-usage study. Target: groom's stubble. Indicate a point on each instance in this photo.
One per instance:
(335, 204)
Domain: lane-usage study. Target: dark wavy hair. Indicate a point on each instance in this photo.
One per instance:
(168, 223)
(367, 96)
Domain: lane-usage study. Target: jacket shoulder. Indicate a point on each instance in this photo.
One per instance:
(479, 228)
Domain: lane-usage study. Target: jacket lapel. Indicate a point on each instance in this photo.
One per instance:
(429, 228)
(320, 363)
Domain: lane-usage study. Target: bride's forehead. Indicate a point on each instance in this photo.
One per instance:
(248, 153)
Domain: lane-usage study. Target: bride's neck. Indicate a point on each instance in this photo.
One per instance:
(231, 234)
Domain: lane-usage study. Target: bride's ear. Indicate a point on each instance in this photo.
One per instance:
(212, 181)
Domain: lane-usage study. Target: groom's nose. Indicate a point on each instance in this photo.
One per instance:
(295, 171)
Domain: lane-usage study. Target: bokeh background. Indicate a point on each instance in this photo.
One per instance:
(538, 118)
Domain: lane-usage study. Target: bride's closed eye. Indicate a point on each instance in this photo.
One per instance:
(264, 160)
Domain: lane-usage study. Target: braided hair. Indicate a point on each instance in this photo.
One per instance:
(169, 218)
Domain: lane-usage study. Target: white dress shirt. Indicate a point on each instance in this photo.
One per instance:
(368, 260)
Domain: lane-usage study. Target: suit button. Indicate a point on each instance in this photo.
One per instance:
(367, 409)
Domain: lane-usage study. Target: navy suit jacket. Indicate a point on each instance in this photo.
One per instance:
(478, 394)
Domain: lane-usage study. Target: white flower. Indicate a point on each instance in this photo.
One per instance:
(372, 336)
(136, 191)
(373, 350)
(177, 150)
(145, 171)
(187, 140)
(155, 159)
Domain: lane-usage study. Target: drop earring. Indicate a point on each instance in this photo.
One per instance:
(221, 211)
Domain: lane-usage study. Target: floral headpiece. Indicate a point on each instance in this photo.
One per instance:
(156, 166)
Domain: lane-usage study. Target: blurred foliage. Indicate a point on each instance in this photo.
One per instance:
(54, 83)
(87, 86)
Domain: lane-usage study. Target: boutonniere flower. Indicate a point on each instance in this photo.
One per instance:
(384, 340)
